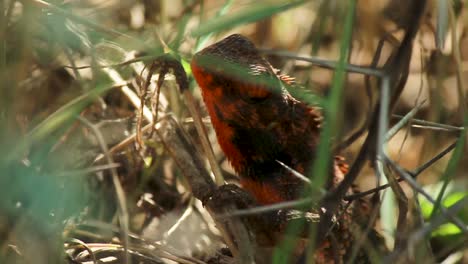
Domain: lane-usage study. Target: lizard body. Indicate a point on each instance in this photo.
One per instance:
(258, 123)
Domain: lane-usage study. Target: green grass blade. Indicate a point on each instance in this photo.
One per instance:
(245, 16)
(442, 23)
(320, 166)
(202, 41)
(54, 121)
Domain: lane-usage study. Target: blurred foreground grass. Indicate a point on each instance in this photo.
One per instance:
(71, 68)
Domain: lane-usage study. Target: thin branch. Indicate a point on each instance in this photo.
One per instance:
(328, 64)
(415, 238)
(434, 159)
(405, 120)
(420, 190)
(413, 174)
(396, 69)
(365, 126)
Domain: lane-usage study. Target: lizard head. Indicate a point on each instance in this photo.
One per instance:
(237, 83)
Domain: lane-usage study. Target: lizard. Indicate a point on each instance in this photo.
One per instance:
(260, 126)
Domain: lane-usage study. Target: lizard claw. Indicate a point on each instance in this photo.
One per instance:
(230, 194)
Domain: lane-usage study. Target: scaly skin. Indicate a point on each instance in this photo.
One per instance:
(258, 123)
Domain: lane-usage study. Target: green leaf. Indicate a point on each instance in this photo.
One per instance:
(448, 229)
(451, 167)
(186, 66)
(427, 207)
(454, 198)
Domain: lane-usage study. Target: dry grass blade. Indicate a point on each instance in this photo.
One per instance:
(431, 125)
(149, 250)
(124, 143)
(53, 8)
(204, 137)
(122, 212)
(179, 222)
(90, 170)
(88, 249)
(200, 183)
(461, 86)
(191, 165)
